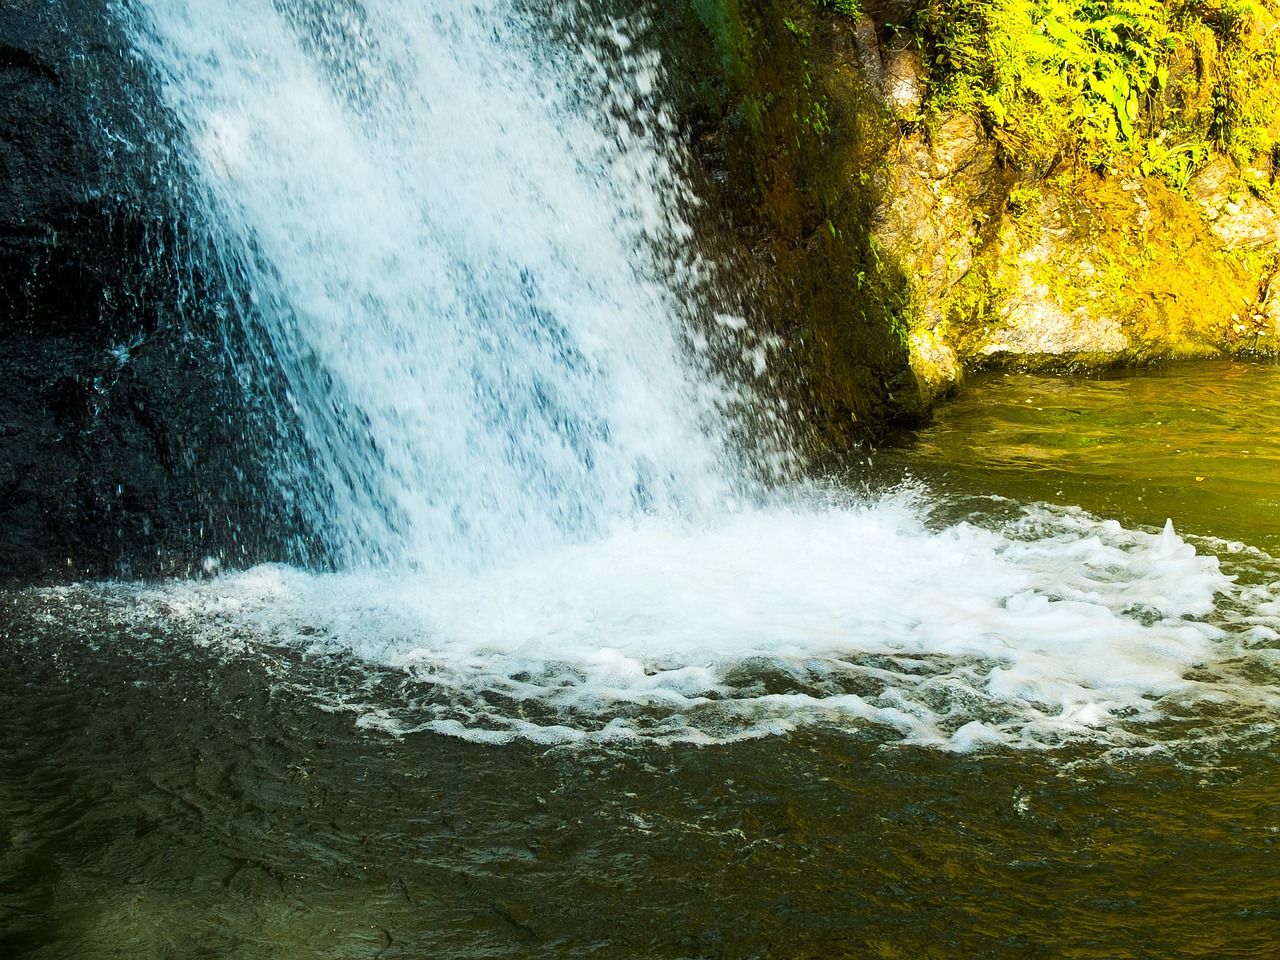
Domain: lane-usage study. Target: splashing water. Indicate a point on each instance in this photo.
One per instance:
(1027, 632)
(455, 265)
(465, 249)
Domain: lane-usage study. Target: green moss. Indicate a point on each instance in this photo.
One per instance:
(1022, 200)
(1173, 290)
(1091, 82)
(751, 112)
(723, 22)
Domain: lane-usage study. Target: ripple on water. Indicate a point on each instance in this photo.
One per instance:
(1028, 631)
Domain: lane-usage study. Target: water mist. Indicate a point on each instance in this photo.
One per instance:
(462, 228)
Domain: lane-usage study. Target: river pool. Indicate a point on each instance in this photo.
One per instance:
(196, 783)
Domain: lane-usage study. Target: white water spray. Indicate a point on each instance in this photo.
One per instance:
(465, 244)
(448, 228)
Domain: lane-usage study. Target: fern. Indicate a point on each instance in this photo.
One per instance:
(1052, 74)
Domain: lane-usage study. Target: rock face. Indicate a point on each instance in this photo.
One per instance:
(1077, 271)
(867, 211)
(1066, 268)
(783, 103)
(126, 444)
(933, 218)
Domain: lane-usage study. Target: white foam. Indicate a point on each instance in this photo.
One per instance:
(1053, 627)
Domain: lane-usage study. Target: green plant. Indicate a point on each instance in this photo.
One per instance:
(850, 8)
(1051, 76)
(1090, 80)
(1174, 164)
(1021, 200)
(1241, 104)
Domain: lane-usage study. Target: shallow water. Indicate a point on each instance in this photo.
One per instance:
(190, 771)
(1198, 442)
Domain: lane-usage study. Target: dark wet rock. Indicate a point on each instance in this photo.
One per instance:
(894, 14)
(787, 130)
(126, 445)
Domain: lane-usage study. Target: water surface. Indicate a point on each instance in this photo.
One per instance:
(1197, 442)
(200, 792)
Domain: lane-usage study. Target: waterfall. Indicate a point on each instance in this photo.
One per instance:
(462, 240)
(465, 252)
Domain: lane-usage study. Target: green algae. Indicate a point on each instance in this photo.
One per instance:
(722, 20)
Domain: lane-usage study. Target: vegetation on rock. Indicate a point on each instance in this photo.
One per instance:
(1117, 202)
(790, 136)
(1096, 81)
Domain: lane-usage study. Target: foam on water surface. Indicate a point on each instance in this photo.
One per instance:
(1049, 628)
(462, 237)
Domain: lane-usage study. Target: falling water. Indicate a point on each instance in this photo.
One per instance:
(464, 239)
(450, 230)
